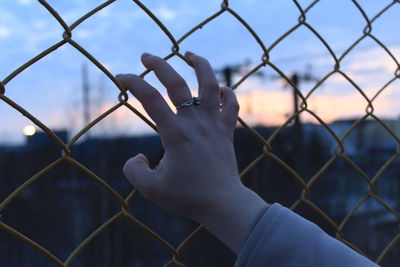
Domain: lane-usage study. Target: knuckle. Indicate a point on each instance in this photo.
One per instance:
(178, 83)
(182, 135)
(235, 106)
(151, 96)
(147, 190)
(211, 86)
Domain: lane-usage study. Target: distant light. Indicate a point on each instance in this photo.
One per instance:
(29, 130)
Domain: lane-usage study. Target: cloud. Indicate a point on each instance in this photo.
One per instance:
(375, 59)
(25, 2)
(165, 13)
(40, 24)
(83, 33)
(31, 35)
(119, 33)
(4, 31)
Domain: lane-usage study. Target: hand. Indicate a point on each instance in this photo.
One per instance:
(197, 177)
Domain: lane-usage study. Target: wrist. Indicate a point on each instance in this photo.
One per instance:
(232, 215)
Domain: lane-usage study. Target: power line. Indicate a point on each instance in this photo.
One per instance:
(304, 56)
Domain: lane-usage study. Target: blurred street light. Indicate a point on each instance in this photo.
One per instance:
(29, 130)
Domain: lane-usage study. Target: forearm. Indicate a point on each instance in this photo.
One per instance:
(283, 238)
(232, 216)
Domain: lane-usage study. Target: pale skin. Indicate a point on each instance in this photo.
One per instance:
(197, 177)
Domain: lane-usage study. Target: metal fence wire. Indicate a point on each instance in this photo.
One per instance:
(267, 152)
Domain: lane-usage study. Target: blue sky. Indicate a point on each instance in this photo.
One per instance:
(116, 36)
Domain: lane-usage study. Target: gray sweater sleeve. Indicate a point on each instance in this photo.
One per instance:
(283, 238)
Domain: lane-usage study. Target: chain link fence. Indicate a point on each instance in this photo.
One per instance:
(267, 152)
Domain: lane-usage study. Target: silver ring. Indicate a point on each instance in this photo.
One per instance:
(193, 101)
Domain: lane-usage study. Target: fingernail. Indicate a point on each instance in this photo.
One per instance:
(142, 157)
(146, 55)
(188, 54)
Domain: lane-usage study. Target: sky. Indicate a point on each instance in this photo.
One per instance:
(51, 89)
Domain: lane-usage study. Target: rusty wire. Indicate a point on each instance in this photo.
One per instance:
(67, 38)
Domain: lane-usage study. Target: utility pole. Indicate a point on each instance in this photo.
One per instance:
(297, 134)
(295, 79)
(228, 71)
(86, 95)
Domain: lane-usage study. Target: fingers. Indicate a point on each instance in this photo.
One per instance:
(209, 91)
(177, 89)
(230, 107)
(139, 174)
(151, 99)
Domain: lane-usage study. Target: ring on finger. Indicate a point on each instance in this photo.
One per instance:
(194, 101)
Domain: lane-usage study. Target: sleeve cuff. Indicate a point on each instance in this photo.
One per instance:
(257, 234)
(281, 237)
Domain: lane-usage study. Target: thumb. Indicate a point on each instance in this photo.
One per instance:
(138, 172)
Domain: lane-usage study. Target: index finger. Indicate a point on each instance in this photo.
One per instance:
(151, 100)
(178, 90)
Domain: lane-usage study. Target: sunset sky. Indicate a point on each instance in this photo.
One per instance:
(51, 89)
